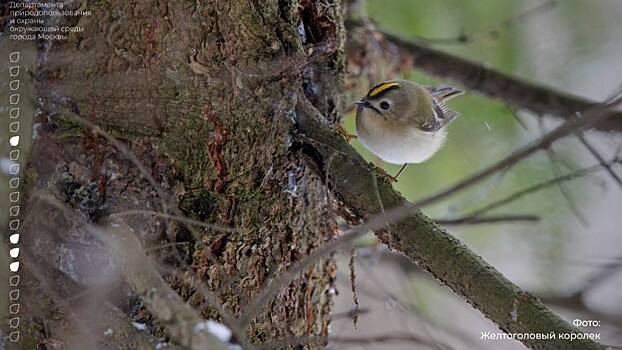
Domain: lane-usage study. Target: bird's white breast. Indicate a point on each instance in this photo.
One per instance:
(408, 146)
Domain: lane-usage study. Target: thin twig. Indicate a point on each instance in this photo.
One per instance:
(487, 220)
(529, 190)
(564, 190)
(557, 172)
(607, 271)
(600, 158)
(574, 302)
(516, 117)
(494, 30)
(386, 338)
(593, 117)
(183, 219)
(355, 298)
(382, 295)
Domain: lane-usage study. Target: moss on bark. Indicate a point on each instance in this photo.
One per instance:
(204, 94)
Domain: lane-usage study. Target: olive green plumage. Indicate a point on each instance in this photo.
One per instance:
(403, 122)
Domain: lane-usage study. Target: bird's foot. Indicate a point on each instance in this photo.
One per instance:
(390, 178)
(386, 176)
(341, 131)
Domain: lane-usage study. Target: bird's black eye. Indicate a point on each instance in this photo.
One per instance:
(385, 105)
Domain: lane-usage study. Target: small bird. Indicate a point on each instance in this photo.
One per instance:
(402, 122)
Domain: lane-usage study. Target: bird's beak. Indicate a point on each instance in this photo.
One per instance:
(366, 104)
(362, 103)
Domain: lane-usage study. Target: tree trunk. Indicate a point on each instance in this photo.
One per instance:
(203, 94)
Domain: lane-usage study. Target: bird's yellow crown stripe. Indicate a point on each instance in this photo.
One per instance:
(380, 88)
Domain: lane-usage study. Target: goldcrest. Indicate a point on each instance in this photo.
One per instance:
(402, 122)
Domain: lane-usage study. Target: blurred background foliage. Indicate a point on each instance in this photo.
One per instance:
(571, 45)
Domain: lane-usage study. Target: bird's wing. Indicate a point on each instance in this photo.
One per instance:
(440, 95)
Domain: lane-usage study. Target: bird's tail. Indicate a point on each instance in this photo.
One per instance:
(444, 93)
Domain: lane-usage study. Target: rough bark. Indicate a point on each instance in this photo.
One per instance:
(203, 94)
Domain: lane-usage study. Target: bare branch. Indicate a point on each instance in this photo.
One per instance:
(466, 38)
(529, 190)
(389, 338)
(596, 115)
(187, 328)
(474, 220)
(382, 294)
(599, 157)
(163, 302)
(575, 303)
(355, 312)
(183, 219)
(557, 172)
(608, 271)
(355, 298)
(420, 239)
(109, 325)
(572, 302)
(516, 117)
